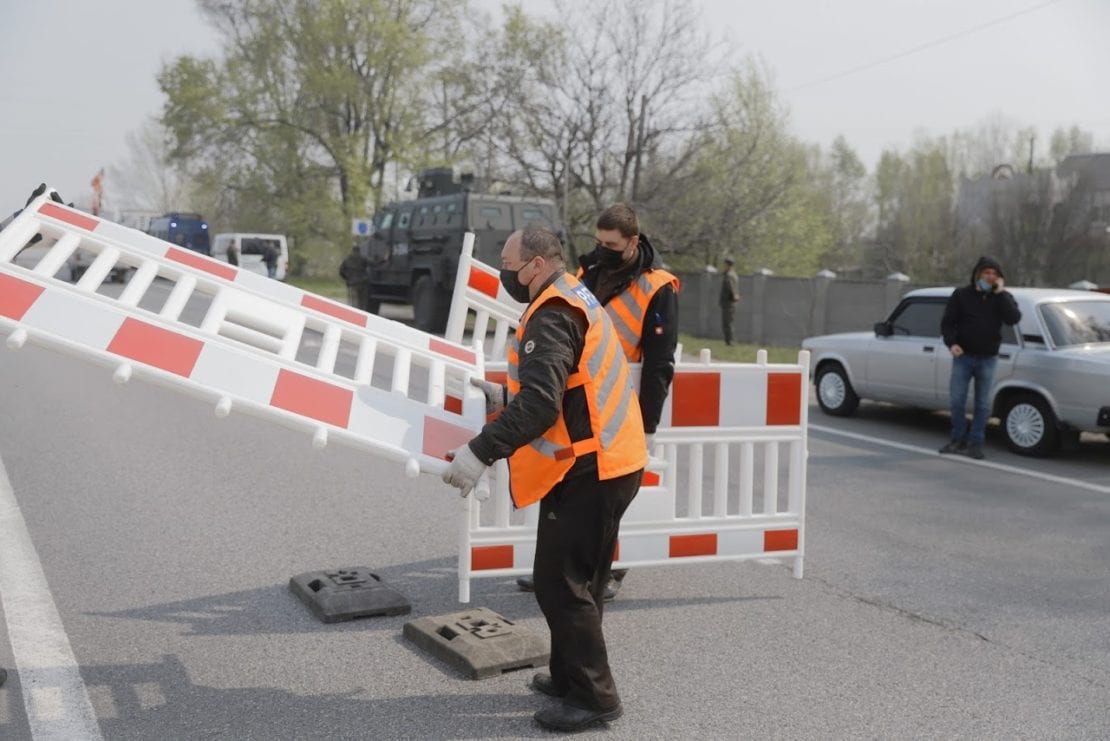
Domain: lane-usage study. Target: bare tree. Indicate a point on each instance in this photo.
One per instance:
(600, 97)
(146, 180)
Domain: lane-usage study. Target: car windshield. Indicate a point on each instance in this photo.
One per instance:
(1077, 322)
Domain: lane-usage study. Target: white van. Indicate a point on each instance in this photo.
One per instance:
(251, 248)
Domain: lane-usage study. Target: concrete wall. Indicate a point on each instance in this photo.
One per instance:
(783, 311)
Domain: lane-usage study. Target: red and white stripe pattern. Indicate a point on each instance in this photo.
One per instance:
(496, 557)
(395, 426)
(735, 395)
(243, 353)
(714, 490)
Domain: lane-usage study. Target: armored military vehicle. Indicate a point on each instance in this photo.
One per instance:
(412, 252)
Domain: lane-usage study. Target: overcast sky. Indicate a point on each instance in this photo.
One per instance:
(76, 76)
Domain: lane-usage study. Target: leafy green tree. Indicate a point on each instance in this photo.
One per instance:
(311, 100)
(915, 200)
(843, 195)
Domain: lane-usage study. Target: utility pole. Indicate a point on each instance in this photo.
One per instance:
(1032, 139)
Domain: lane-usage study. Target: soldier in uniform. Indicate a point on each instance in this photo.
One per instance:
(353, 272)
(730, 296)
(571, 429)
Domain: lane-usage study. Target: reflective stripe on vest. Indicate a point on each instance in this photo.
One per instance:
(614, 410)
(629, 308)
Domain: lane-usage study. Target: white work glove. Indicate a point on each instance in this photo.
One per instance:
(650, 438)
(464, 471)
(494, 393)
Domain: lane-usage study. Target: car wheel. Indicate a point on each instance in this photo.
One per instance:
(427, 306)
(1030, 426)
(834, 392)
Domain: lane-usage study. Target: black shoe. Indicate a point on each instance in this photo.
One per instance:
(975, 450)
(954, 448)
(3, 676)
(544, 684)
(569, 718)
(526, 584)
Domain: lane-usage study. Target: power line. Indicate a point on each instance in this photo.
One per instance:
(923, 47)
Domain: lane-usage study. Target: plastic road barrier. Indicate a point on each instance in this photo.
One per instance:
(259, 346)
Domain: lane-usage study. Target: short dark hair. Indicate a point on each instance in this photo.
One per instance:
(621, 217)
(538, 241)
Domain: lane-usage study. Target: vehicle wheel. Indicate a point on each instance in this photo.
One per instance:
(427, 306)
(1030, 426)
(834, 391)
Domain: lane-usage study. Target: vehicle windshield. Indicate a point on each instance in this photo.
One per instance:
(1077, 322)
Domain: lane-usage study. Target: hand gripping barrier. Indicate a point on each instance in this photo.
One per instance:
(239, 339)
(731, 481)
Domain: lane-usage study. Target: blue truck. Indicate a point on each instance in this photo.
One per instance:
(186, 230)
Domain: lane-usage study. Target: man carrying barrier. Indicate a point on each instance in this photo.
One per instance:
(642, 300)
(571, 429)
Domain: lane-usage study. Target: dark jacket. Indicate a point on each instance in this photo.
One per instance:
(973, 319)
(660, 333)
(730, 289)
(559, 334)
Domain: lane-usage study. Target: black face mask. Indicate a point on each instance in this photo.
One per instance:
(513, 286)
(608, 258)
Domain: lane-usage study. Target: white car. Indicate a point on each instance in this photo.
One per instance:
(1052, 378)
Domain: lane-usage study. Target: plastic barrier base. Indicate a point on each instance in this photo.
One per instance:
(479, 642)
(346, 594)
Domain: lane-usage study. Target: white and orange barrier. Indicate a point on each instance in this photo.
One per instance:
(238, 339)
(727, 478)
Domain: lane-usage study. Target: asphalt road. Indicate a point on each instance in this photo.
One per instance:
(941, 598)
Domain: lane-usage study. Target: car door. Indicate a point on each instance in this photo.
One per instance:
(902, 367)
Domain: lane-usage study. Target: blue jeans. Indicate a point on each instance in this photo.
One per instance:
(964, 369)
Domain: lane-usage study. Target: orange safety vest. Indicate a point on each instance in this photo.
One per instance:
(618, 429)
(628, 309)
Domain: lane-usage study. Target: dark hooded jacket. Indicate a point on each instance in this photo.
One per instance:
(973, 319)
(660, 334)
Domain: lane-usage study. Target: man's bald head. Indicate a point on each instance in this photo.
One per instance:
(535, 241)
(535, 254)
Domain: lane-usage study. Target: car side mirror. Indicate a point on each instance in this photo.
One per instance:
(883, 329)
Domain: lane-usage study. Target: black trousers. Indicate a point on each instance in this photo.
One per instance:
(575, 540)
(728, 313)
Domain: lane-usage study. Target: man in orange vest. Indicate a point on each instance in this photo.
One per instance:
(571, 429)
(642, 300)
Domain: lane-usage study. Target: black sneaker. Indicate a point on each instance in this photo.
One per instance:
(975, 450)
(953, 448)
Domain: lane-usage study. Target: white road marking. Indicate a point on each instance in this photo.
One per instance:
(54, 694)
(1078, 483)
